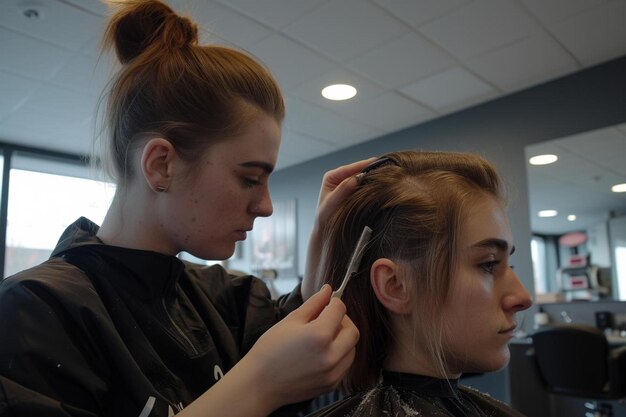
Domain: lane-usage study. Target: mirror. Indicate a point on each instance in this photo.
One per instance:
(578, 187)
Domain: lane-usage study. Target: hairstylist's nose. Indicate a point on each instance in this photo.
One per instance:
(263, 206)
(517, 297)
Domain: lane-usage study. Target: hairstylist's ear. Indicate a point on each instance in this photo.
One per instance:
(156, 163)
(390, 288)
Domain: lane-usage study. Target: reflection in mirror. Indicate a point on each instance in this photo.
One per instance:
(579, 245)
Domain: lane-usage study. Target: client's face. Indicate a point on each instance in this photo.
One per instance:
(479, 313)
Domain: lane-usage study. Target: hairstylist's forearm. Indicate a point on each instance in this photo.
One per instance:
(337, 185)
(301, 357)
(238, 394)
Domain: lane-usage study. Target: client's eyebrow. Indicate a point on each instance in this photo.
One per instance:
(499, 244)
(258, 164)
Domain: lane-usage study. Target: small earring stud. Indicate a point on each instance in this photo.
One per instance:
(160, 189)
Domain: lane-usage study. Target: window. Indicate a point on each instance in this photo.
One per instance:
(538, 254)
(46, 196)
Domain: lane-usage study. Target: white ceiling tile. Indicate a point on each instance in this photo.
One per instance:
(29, 57)
(311, 91)
(224, 26)
(345, 29)
(481, 26)
(274, 13)
(448, 88)
(621, 127)
(289, 62)
(32, 127)
(325, 125)
(15, 91)
(402, 61)
(34, 134)
(603, 147)
(524, 63)
(60, 103)
(77, 24)
(554, 10)
(388, 112)
(84, 74)
(418, 12)
(93, 46)
(97, 7)
(597, 35)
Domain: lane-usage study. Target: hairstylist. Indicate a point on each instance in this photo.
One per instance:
(114, 324)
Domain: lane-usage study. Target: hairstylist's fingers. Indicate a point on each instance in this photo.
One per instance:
(340, 192)
(312, 307)
(343, 365)
(337, 185)
(336, 176)
(347, 337)
(329, 322)
(342, 351)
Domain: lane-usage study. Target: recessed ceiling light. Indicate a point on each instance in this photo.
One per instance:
(547, 213)
(619, 188)
(543, 159)
(339, 92)
(571, 217)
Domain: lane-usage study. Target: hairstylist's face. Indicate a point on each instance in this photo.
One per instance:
(479, 313)
(228, 191)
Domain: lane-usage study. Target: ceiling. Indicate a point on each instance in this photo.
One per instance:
(410, 60)
(580, 181)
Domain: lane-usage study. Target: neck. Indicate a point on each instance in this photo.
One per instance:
(408, 354)
(131, 222)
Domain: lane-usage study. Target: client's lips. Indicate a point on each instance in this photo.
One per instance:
(508, 329)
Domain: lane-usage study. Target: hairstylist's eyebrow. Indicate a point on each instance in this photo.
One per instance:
(258, 164)
(499, 244)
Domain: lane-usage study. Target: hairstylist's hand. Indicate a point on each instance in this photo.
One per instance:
(307, 353)
(304, 355)
(337, 185)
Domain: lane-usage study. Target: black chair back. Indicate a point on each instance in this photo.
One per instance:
(573, 360)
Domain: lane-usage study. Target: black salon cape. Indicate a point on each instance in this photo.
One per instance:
(139, 334)
(406, 395)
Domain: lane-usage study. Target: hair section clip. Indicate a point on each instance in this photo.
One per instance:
(383, 160)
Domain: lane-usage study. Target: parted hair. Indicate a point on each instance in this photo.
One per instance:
(171, 86)
(415, 204)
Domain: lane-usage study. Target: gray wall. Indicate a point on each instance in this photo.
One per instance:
(499, 130)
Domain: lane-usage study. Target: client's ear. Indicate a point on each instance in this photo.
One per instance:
(390, 288)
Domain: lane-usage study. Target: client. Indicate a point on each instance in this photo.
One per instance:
(434, 296)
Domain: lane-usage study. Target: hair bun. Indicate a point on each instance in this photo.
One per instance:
(138, 25)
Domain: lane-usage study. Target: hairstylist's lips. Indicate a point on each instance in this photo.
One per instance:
(242, 233)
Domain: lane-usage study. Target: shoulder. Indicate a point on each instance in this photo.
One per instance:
(50, 282)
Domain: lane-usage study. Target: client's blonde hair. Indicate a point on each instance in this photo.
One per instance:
(415, 204)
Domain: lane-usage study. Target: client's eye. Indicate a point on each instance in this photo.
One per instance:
(489, 266)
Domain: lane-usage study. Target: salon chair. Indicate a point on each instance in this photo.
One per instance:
(576, 360)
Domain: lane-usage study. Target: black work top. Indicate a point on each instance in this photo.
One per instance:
(408, 395)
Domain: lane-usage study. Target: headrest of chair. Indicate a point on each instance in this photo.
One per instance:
(572, 358)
